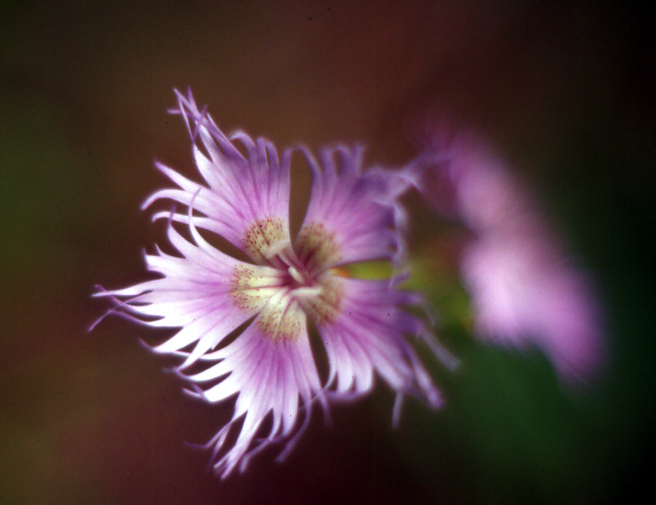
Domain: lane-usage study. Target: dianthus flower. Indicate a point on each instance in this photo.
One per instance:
(351, 217)
(523, 290)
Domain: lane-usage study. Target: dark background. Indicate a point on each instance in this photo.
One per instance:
(565, 91)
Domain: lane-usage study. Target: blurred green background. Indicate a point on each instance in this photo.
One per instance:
(566, 91)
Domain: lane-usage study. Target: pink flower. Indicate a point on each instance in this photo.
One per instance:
(352, 217)
(523, 290)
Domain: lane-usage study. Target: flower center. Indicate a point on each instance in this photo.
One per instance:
(276, 294)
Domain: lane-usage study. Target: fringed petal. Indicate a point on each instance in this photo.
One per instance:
(243, 191)
(360, 212)
(368, 334)
(270, 378)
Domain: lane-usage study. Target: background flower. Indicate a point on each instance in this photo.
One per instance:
(524, 291)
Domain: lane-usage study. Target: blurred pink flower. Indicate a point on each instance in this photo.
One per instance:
(523, 290)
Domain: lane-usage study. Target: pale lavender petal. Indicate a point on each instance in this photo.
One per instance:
(358, 211)
(264, 375)
(368, 334)
(195, 294)
(242, 191)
